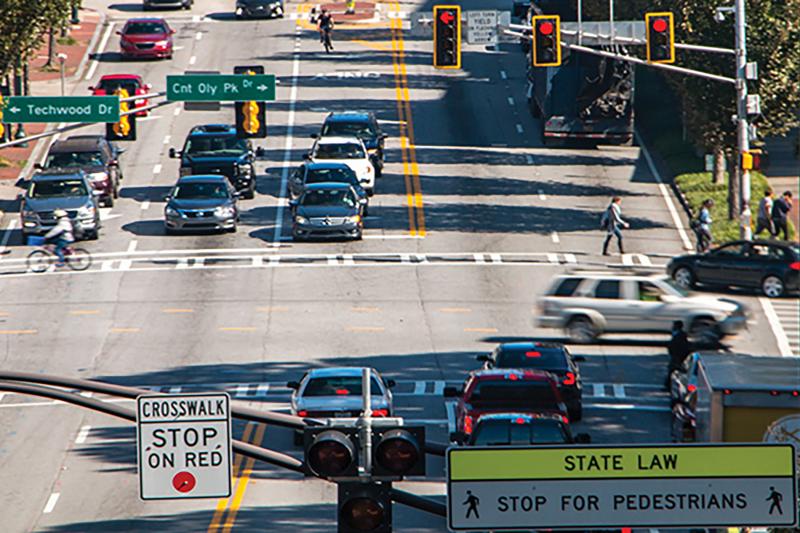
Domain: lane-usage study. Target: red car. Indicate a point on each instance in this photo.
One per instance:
(130, 82)
(146, 38)
(506, 390)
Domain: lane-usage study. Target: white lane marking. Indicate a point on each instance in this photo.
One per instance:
(287, 157)
(553, 258)
(529, 159)
(519, 128)
(100, 48)
(182, 263)
(438, 388)
(86, 394)
(167, 138)
(619, 390)
(241, 390)
(196, 18)
(450, 407)
(510, 101)
(175, 390)
(198, 36)
(262, 390)
(51, 503)
(503, 74)
(132, 246)
(599, 390)
(193, 60)
(177, 111)
(570, 258)
(554, 237)
(479, 259)
(405, 258)
(542, 195)
(496, 258)
(82, 434)
(332, 260)
(419, 387)
(199, 262)
(157, 168)
(687, 244)
(777, 329)
(7, 234)
(347, 259)
(628, 406)
(258, 261)
(145, 205)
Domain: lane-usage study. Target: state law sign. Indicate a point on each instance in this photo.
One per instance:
(184, 446)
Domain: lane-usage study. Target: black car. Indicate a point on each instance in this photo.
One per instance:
(201, 203)
(327, 210)
(773, 267)
(520, 429)
(215, 149)
(309, 173)
(259, 8)
(362, 125)
(550, 356)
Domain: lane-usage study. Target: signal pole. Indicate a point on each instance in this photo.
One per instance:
(741, 118)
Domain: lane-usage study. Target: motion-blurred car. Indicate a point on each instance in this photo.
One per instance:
(246, 9)
(349, 151)
(549, 356)
(587, 305)
(328, 211)
(65, 189)
(95, 156)
(358, 124)
(337, 392)
(520, 429)
(505, 390)
(184, 4)
(325, 172)
(201, 203)
(146, 38)
(132, 83)
(773, 267)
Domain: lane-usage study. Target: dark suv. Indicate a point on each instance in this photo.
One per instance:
(49, 190)
(215, 149)
(95, 156)
(362, 125)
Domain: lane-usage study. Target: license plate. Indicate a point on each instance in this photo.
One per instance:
(341, 414)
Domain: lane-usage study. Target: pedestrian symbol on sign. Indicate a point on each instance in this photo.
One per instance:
(472, 502)
(776, 498)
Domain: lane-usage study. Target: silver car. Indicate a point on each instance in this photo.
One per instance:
(336, 392)
(587, 305)
(69, 190)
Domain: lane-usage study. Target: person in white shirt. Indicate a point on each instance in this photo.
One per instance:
(62, 233)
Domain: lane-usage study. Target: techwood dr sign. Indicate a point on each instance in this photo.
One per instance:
(77, 109)
(184, 446)
(611, 487)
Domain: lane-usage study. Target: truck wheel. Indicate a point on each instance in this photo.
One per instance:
(772, 286)
(581, 330)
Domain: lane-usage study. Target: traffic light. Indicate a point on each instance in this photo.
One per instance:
(447, 36)
(546, 49)
(2, 124)
(331, 453)
(364, 507)
(660, 37)
(125, 129)
(398, 452)
(251, 117)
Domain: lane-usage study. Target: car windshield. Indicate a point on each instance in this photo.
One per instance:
(56, 188)
(331, 197)
(336, 175)
(535, 357)
(505, 432)
(340, 386)
(339, 151)
(193, 191)
(216, 146)
(74, 159)
(363, 130)
(530, 395)
(109, 86)
(143, 28)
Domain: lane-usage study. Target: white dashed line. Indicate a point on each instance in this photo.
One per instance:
(599, 390)
(553, 258)
(619, 390)
(51, 503)
(193, 60)
(503, 74)
(198, 36)
(519, 128)
(542, 195)
(145, 205)
(132, 246)
(570, 258)
(157, 168)
(510, 101)
(166, 139)
(554, 237)
(419, 387)
(82, 434)
(177, 111)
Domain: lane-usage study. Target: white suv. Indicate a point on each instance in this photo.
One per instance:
(347, 150)
(587, 305)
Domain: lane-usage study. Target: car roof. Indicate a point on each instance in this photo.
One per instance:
(75, 145)
(338, 371)
(497, 374)
(327, 185)
(56, 173)
(521, 346)
(98, 137)
(213, 129)
(349, 116)
(320, 166)
(338, 140)
(121, 77)
(147, 19)
(528, 416)
(202, 178)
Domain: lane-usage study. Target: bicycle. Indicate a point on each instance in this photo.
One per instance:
(41, 259)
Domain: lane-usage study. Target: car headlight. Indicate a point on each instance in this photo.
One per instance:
(353, 220)
(171, 212)
(244, 168)
(300, 220)
(162, 43)
(98, 176)
(224, 211)
(86, 210)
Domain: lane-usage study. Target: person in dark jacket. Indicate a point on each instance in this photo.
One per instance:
(678, 348)
(780, 214)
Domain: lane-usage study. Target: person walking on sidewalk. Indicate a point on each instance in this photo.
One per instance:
(703, 230)
(764, 218)
(612, 221)
(780, 213)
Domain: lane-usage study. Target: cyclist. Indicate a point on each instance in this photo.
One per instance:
(325, 26)
(62, 233)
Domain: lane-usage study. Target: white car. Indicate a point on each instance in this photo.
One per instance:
(347, 150)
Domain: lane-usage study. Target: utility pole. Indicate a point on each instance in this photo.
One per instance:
(741, 119)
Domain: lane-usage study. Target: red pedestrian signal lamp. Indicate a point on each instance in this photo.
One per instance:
(447, 36)
(546, 46)
(660, 37)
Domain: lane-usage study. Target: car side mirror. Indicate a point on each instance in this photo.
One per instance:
(172, 32)
(148, 86)
(91, 88)
(583, 438)
(22, 183)
(391, 383)
(173, 153)
(314, 135)
(579, 358)
(167, 197)
(38, 166)
(450, 392)
(118, 32)
(260, 152)
(459, 437)
(294, 385)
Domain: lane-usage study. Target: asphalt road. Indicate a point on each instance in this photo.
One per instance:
(469, 223)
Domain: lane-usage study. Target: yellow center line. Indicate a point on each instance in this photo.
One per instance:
(241, 486)
(3, 313)
(380, 46)
(81, 312)
(480, 330)
(238, 328)
(125, 330)
(176, 310)
(222, 504)
(18, 331)
(455, 310)
(364, 328)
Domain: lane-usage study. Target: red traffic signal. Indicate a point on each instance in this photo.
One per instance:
(660, 37)
(546, 46)
(447, 36)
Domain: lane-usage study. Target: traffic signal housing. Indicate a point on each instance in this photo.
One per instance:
(331, 453)
(251, 116)
(546, 46)
(660, 37)
(447, 37)
(398, 452)
(125, 129)
(2, 124)
(364, 507)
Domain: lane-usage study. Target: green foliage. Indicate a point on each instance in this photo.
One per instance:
(22, 26)
(67, 41)
(698, 186)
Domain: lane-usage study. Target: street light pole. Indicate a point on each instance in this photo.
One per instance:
(62, 57)
(742, 133)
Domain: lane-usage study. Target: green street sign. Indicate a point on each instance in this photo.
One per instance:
(61, 109)
(221, 88)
